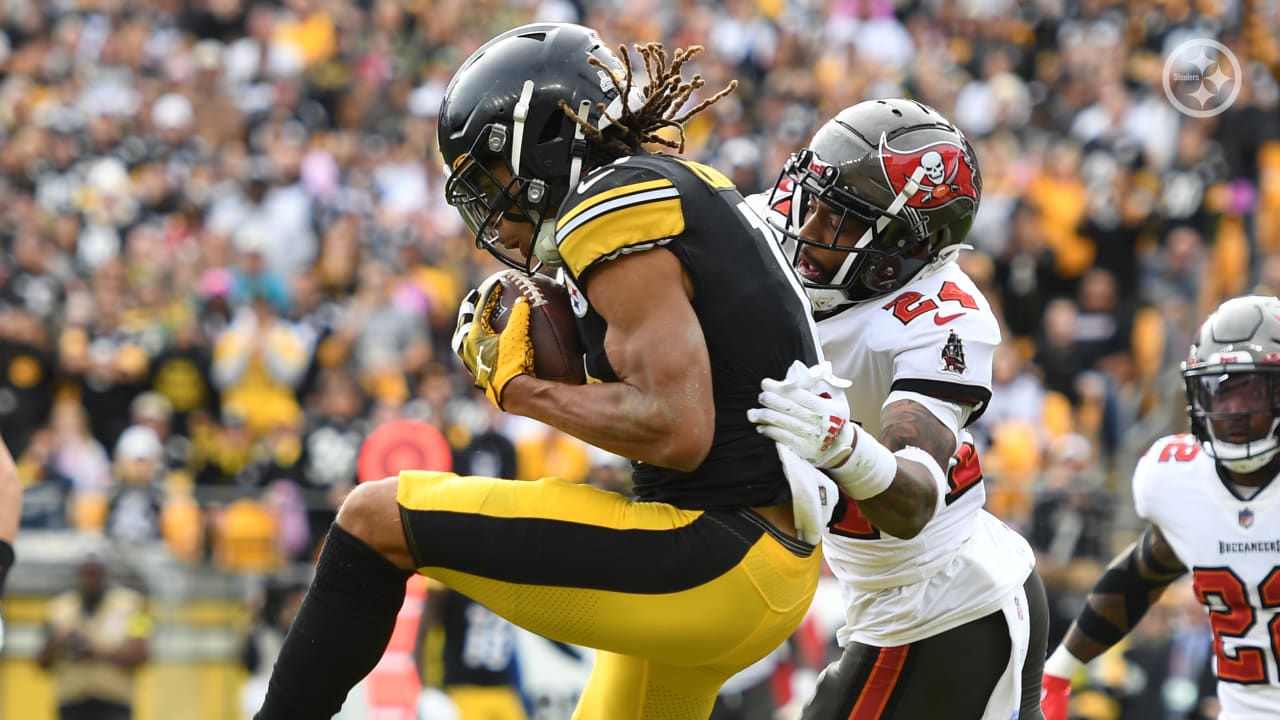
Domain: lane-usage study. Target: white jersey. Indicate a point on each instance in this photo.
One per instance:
(1232, 549)
(932, 341)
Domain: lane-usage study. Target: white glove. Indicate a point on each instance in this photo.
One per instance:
(813, 495)
(807, 412)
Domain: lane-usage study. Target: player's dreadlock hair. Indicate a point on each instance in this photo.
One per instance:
(663, 98)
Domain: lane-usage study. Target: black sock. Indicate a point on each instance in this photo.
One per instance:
(340, 631)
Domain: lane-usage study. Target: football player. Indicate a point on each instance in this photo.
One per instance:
(10, 510)
(705, 571)
(1211, 511)
(467, 654)
(945, 614)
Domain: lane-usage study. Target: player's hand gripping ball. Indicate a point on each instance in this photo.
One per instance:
(518, 324)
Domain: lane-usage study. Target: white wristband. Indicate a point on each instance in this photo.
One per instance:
(1061, 663)
(925, 460)
(869, 471)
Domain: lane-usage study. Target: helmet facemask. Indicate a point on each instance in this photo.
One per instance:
(482, 199)
(887, 253)
(904, 173)
(1235, 413)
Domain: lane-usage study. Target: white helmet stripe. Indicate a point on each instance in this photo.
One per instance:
(909, 189)
(838, 278)
(520, 112)
(575, 164)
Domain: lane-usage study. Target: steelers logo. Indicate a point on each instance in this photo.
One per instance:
(1202, 78)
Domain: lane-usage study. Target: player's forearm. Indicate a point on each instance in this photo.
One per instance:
(661, 410)
(907, 505)
(619, 418)
(1133, 581)
(1081, 646)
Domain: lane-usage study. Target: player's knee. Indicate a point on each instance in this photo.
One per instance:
(371, 514)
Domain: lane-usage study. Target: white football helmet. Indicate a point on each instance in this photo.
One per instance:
(1233, 383)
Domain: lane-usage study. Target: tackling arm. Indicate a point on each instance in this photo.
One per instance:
(1134, 580)
(904, 508)
(895, 479)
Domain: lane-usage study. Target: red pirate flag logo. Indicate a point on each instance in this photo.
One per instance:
(946, 173)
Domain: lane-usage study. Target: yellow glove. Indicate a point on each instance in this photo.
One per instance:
(493, 357)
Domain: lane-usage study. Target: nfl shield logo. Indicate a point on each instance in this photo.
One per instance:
(1246, 518)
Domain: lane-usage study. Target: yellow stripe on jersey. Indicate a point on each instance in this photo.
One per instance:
(709, 175)
(632, 217)
(566, 501)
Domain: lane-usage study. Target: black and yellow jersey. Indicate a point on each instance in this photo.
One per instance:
(461, 642)
(752, 309)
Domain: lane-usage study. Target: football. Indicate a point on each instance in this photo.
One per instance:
(553, 330)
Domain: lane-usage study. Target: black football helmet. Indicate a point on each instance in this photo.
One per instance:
(896, 166)
(504, 106)
(1232, 377)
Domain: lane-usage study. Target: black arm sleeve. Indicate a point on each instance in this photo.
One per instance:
(1136, 578)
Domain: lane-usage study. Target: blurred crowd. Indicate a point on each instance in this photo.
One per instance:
(227, 255)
